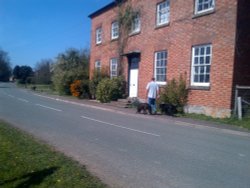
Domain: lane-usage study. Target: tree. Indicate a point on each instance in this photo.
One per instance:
(16, 72)
(43, 72)
(70, 66)
(5, 68)
(23, 73)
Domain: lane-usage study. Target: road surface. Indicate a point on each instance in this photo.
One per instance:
(131, 150)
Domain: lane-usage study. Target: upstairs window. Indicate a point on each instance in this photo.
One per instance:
(114, 30)
(98, 35)
(113, 67)
(98, 66)
(160, 66)
(201, 63)
(136, 24)
(202, 6)
(163, 12)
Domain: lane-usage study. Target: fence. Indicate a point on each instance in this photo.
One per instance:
(242, 102)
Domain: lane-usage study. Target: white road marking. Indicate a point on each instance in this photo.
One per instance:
(118, 126)
(242, 155)
(11, 96)
(23, 100)
(49, 107)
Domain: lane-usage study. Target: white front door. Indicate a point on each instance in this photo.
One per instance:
(133, 83)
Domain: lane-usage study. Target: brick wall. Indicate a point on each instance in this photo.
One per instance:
(184, 31)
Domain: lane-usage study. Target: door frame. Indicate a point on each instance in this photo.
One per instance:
(133, 63)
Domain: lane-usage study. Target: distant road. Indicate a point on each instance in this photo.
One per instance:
(132, 151)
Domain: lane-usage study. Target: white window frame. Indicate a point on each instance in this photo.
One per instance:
(201, 65)
(163, 13)
(160, 56)
(114, 30)
(136, 24)
(203, 3)
(98, 66)
(113, 67)
(98, 35)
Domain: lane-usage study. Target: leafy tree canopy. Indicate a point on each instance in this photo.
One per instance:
(43, 71)
(70, 66)
(22, 73)
(5, 67)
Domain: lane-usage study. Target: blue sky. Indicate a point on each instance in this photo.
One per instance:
(32, 30)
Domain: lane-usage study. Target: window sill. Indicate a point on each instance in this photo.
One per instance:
(197, 15)
(115, 39)
(161, 26)
(205, 88)
(98, 44)
(134, 33)
(161, 83)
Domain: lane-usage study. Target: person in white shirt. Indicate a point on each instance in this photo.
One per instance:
(152, 93)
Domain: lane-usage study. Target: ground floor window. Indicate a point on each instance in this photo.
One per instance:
(98, 66)
(160, 66)
(113, 67)
(201, 62)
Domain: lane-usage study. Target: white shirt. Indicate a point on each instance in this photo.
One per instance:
(153, 89)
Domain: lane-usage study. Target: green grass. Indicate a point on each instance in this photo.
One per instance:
(244, 123)
(39, 88)
(24, 162)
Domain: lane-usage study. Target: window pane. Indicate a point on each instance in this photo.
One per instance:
(202, 78)
(207, 79)
(196, 51)
(196, 70)
(202, 69)
(208, 50)
(207, 69)
(196, 60)
(196, 78)
(201, 60)
(202, 51)
(207, 59)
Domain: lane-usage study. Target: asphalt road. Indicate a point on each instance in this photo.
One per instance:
(131, 150)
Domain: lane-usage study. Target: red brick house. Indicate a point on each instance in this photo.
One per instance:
(208, 41)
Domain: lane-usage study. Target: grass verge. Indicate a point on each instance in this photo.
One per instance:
(24, 162)
(244, 123)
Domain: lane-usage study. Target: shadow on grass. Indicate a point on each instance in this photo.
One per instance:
(31, 179)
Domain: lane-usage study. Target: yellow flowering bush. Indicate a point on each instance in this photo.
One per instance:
(76, 88)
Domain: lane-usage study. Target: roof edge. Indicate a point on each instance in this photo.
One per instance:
(103, 9)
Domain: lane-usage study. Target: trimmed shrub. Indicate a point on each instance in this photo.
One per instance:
(110, 89)
(97, 77)
(175, 93)
(118, 88)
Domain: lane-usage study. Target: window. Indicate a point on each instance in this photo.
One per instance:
(98, 66)
(201, 62)
(113, 67)
(136, 24)
(161, 66)
(98, 35)
(203, 6)
(115, 30)
(163, 11)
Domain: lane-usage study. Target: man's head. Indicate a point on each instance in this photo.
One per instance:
(153, 79)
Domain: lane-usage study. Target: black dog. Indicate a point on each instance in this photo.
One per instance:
(168, 109)
(144, 107)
